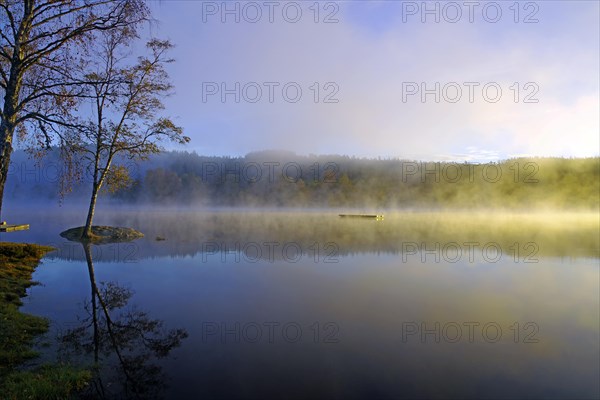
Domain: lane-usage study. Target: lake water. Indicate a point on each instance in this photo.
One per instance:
(309, 305)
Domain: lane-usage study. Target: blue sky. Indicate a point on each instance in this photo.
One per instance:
(370, 61)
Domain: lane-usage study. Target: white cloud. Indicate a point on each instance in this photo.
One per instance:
(370, 118)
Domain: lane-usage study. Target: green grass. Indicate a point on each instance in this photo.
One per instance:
(48, 382)
(19, 330)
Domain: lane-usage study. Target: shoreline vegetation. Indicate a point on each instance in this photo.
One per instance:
(284, 179)
(18, 332)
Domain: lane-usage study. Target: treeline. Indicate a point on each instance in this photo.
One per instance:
(288, 180)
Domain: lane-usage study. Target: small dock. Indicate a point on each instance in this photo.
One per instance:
(365, 216)
(4, 227)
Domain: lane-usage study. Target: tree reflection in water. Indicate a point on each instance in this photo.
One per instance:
(125, 342)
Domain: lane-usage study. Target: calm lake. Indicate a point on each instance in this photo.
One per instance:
(249, 304)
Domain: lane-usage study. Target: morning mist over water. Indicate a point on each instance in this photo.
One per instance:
(490, 295)
(329, 200)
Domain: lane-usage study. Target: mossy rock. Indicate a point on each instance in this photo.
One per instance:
(103, 234)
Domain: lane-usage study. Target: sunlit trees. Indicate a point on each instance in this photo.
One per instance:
(162, 185)
(40, 42)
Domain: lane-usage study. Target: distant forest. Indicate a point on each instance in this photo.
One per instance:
(288, 180)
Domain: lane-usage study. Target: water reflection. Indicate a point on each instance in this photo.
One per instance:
(325, 236)
(123, 341)
(394, 315)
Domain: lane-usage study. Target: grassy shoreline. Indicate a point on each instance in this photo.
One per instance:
(19, 330)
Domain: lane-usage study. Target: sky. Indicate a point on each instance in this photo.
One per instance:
(473, 81)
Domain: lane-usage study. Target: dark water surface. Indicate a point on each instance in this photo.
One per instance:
(308, 305)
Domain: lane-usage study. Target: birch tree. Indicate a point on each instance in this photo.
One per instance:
(124, 120)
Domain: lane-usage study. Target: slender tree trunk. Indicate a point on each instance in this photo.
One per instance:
(87, 231)
(99, 177)
(97, 184)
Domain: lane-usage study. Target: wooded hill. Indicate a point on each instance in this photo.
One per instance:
(289, 180)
